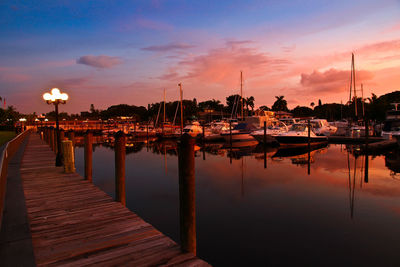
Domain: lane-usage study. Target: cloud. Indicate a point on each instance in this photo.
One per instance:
(223, 65)
(392, 45)
(101, 61)
(13, 75)
(238, 43)
(167, 47)
(332, 80)
(69, 82)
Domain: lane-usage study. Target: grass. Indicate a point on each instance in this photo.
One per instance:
(6, 136)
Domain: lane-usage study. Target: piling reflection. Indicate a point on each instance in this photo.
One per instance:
(120, 142)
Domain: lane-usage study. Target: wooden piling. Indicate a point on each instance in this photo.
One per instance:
(230, 133)
(68, 156)
(119, 147)
(52, 138)
(62, 135)
(265, 144)
(71, 136)
(89, 156)
(309, 148)
(366, 151)
(187, 197)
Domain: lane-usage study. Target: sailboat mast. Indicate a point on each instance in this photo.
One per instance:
(354, 84)
(181, 96)
(362, 100)
(164, 105)
(241, 90)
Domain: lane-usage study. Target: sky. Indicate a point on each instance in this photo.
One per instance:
(127, 52)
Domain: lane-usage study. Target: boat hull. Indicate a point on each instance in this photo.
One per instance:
(238, 137)
(300, 141)
(269, 139)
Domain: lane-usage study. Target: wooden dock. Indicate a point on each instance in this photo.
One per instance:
(75, 223)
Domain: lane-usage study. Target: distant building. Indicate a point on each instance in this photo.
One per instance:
(283, 115)
(210, 115)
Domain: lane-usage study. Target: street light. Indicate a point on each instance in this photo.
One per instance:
(55, 98)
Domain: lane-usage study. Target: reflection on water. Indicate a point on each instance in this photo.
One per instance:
(258, 206)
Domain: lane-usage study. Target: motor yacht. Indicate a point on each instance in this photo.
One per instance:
(297, 136)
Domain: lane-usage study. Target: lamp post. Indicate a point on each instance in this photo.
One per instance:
(56, 98)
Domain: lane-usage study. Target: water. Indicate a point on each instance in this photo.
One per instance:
(248, 215)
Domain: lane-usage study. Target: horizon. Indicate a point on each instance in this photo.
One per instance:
(104, 53)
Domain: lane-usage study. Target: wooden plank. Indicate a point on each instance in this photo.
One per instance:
(74, 223)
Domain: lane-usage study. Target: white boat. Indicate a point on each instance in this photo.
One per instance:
(274, 129)
(297, 136)
(193, 129)
(391, 126)
(213, 132)
(342, 127)
(322, 127)
(240, 133)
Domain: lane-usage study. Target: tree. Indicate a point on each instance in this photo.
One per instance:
(319, 102)
(233, 100)
(312, 104)
(264, 108)
(92, 110)
(211, 104)
(250, 102)
(280, 104)
(302, 112)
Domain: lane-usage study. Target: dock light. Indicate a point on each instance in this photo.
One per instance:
(56, 98)
(22, 119)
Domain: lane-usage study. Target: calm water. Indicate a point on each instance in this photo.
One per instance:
(248, 215)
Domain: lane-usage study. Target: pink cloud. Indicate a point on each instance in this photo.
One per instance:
(167, 47)
(56, 64)
(393, 45)
(101, 61)
(11, 74)
(69, 82)
(223, 65)
(332, 80)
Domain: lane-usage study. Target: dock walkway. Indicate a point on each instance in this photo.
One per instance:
(73, 222)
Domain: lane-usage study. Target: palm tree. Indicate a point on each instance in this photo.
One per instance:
(312, 104)
(280, 104)
(250, 102)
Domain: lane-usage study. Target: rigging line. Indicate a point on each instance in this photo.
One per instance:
(176, 112)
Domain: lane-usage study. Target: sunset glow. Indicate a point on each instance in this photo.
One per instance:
(106, 53)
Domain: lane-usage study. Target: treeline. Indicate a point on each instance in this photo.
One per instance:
(373, 107)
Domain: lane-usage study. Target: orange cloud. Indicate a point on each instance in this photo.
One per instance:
(222, 65)
(332, 80)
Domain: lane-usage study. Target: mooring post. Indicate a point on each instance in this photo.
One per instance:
(309, 148)
(89, 155)
(71, 136)
(230, 133)
(366, 150)
(119, 147)
(187, 197)
(52, 138)
(62, 134)
(265, 144)
(69, 158)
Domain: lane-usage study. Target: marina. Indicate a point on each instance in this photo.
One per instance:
(199, 133)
